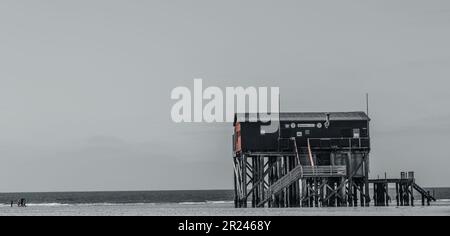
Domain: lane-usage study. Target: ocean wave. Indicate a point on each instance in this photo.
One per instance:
(206, 203)
(190, 203)
(48, 204)
(219, 202)
(112, 204)
(37, 204)
(443, 200)
(54, 204)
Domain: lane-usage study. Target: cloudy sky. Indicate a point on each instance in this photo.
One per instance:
(85, 85)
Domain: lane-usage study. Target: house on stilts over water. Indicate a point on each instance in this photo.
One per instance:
(315, 159)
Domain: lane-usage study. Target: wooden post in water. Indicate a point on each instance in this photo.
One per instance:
(366, 179)
(236, 185)
(350, 179)
(355, 195)
(385, 193)
(361, 194)
(397, 194)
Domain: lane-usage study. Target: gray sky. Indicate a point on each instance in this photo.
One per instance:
(85, 85)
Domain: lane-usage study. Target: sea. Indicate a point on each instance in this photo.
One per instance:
(187, 203)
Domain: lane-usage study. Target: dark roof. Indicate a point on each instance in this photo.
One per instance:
(311, 116)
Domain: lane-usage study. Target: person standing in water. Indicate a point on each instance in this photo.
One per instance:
(12, 203)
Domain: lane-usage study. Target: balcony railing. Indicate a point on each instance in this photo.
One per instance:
(363, 143)
(324, 171)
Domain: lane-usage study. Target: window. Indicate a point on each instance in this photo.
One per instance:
(356, 133)
(364, 132)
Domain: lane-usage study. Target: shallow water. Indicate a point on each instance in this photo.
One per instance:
(216, 209)
(184, 203)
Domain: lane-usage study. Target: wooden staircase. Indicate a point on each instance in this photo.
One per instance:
(300, 172)
(423, 192)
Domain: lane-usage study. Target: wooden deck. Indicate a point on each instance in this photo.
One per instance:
(404, 188)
